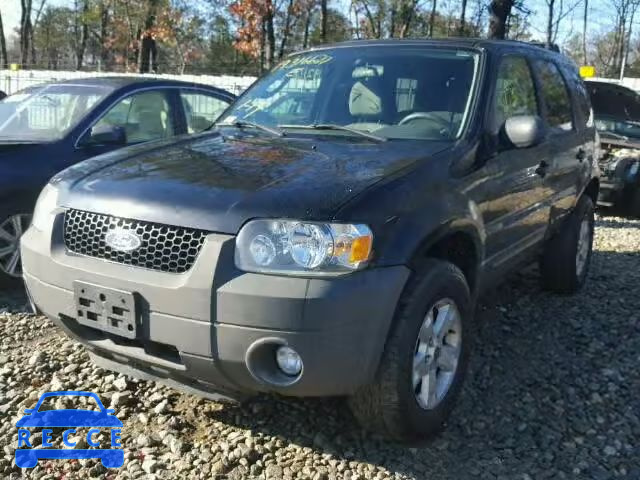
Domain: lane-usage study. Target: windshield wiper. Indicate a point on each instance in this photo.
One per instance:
(614, 135)
(245, 124)
(330, 126)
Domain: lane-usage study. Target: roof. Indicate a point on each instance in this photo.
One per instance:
(120, 81)
(456, 42)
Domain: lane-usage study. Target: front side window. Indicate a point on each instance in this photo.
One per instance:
(44, 114)
(144, 116)
(556, 96)
(411, 93)
(515, 91)
(201, 110)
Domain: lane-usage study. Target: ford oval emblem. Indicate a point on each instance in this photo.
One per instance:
(122, 240)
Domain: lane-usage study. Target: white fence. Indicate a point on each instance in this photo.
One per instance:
(12, 81)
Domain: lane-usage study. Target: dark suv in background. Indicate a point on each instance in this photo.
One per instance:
(617, 117)
(331, 235)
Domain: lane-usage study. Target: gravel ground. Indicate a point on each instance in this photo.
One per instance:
(554, 392)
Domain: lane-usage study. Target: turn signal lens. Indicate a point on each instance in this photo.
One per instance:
(361, 249)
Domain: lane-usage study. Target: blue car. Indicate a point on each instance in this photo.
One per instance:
(70, 419)
(46, 128)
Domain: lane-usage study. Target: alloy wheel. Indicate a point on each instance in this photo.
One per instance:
(11, 230)
(437, 353)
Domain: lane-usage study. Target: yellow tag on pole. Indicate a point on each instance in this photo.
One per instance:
(587, 71)
(14, 67)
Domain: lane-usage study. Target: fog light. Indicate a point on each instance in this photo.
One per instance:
(288, 360)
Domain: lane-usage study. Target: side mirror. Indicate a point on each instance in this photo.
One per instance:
(524, 131)
(109, 411)
(106, 135)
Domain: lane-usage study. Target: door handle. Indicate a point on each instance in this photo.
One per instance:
(581, 155)
(542, 168)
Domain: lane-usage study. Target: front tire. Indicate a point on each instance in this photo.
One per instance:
(567, 255)
(634, 202)
(425, 358)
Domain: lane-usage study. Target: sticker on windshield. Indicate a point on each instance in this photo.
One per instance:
(304, 60)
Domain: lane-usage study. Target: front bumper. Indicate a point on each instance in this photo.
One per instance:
(201, 329)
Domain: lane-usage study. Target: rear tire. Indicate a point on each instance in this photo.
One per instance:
(399, 404)
(565, 261)
(11, 229)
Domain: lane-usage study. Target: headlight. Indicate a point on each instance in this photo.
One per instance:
(302, 248)
(44, 207)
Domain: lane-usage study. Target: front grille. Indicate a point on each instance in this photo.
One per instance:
(163, 247)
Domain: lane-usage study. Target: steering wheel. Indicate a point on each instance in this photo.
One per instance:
(422, 116)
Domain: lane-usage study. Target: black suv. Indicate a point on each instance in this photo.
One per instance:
(331, 234)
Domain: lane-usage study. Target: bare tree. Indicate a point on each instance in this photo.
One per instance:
(3, 46)
(463, 12)
(585, 59)
(432, 17)
(148, 56)
(556, 12)
(81, 31)
(499, 11)
(25, 30)
(323, 21)
(625, 14)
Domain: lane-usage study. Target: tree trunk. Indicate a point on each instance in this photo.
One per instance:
(323, 21)
(585, 59)
(148, 47)
(84, 34)
(392, 25)
(3, 47)
(499, 11)
(25, 30)
(625, 57)
(104, 26)
(286, 30)
(432, 18)
(263, 43)
(307, 24)
(270, 46)
(463, 14)
(551, 6)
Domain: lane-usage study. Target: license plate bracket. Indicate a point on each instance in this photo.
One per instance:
(107, 309)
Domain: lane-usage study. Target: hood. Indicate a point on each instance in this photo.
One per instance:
(217, 184)
(611, 100)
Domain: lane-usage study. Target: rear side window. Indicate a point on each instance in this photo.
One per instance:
(556, 96)
(515, 91)
(581, 95)
(201, 110)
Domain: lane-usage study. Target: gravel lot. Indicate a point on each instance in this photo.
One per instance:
(554, 392)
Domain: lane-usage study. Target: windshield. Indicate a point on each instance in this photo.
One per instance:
(617, 127)
(44, 114)
(394, 92)
(616, 110)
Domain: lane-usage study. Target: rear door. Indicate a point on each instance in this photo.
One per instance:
(519, 214)
(565, 140)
